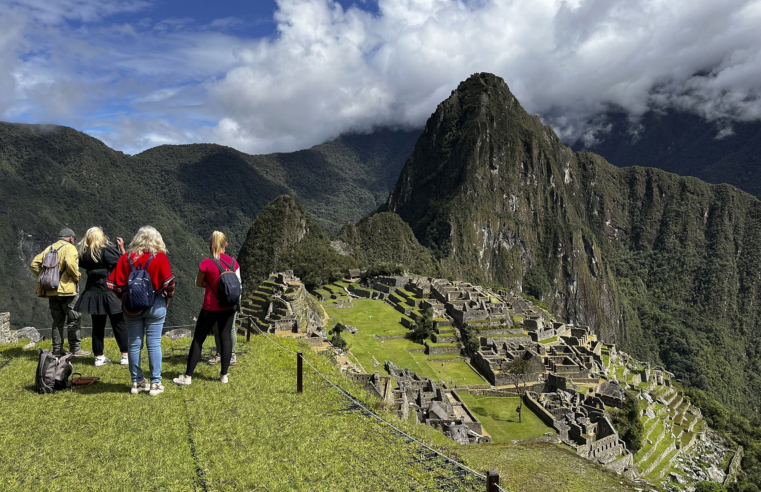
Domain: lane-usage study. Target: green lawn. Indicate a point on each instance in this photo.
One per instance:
(500, 418)
(255, 433)
(372, 317)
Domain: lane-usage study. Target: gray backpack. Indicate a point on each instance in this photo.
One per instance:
(50, 276)
(53, 373)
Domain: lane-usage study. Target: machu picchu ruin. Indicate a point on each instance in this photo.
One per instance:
(574, 381)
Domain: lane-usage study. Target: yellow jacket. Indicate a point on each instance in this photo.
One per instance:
(68, 266)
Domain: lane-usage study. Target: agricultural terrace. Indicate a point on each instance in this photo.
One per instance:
(372, 317)
(499, 416)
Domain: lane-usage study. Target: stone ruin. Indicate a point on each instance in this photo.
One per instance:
(581, 423)
(8, 336)
(421, 399)
(292, 310)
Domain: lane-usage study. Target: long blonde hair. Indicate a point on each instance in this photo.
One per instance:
(217, 242)
(93, 241)
(147, 238)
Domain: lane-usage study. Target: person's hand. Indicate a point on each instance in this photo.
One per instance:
(120, 244)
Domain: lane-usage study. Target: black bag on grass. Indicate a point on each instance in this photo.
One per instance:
(53, 372)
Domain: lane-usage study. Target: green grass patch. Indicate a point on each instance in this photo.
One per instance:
(372, 317)
(499, 417)
(549, 340)
(541, 467)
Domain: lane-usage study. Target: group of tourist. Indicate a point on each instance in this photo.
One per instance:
(132, 288)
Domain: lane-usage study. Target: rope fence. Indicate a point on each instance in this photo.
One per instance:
(425, 453)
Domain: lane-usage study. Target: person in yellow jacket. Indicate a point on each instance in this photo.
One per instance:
(63, 298)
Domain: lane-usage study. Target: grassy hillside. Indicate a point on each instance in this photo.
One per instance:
(256, 433)
(51, 177)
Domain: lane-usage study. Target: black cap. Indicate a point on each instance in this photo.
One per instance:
(67, 233)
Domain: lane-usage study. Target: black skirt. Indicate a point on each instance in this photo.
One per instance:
(98, 302)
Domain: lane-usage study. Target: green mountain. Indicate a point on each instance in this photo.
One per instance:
(683, 143)
(384, 242)
(51, 177)
(285, 237)
(663, 265)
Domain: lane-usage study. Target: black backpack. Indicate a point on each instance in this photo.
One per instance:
(228, 287)
(140, 293)
(53, 373)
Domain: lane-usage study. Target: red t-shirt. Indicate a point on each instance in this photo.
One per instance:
(208, 267)
(159, 269)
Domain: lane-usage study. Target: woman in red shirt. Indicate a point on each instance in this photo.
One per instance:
(211, 311)
(146, 251)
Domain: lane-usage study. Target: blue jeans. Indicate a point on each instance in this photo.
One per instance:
(148, 325)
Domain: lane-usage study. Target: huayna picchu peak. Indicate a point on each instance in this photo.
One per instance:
(665, 266)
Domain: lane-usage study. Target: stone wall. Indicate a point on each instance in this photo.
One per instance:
(5, 329)
(734, 466)
(433, 350)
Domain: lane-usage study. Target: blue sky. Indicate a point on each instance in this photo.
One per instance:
(281, 75)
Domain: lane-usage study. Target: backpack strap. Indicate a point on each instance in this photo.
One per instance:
(145, 267)
(227, 268)
(132, 263)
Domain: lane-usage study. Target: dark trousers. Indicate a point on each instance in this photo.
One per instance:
(99, 332)
(204, 325)
(62, 310)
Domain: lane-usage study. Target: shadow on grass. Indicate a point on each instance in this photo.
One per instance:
(94, 389)
(19, 353)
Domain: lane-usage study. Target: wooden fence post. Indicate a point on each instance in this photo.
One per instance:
(492, 481)
(299, 373)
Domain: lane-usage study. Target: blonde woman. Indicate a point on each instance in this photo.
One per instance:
(99, 258)
(212, 312)
(146, 252)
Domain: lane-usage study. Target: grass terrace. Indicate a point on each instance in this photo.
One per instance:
(372, 317)
(499, 417)
(550, 340)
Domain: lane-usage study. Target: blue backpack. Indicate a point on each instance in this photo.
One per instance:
(140, 293)
(228, 287)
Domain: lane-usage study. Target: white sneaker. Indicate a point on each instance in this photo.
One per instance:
(156, 389)
(101, 361)
(124, 361)
(224, 379)
(214, 360)
(183, 379)
(140, 387)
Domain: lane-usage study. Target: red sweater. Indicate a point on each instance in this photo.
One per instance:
(159, 269)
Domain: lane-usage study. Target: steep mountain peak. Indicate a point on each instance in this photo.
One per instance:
(650, 260)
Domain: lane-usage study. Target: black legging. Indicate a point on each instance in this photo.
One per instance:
(206, 321)
(118, 326)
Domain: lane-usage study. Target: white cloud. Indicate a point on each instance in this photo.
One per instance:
(330, 69)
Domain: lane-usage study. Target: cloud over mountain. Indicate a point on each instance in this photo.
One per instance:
(328, 69)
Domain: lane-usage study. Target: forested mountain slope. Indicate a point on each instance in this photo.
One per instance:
(683, 143)
(666, 266)
(51, 177)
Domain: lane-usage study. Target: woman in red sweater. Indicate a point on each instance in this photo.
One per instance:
(211, 312)
(146, 252)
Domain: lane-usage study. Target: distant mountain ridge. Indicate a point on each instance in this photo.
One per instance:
(683, 143)
(51, 177)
